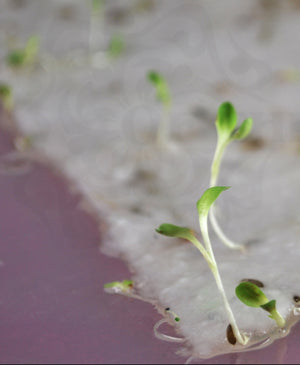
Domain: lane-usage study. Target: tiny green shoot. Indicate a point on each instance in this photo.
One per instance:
(97, 6)
(251, 295)
(124, 286)
(24, 57)
(96, 15)
(174, 315)
(203, 206)
(116, 46)
(227, 132)
(163, 95)
(6, 96)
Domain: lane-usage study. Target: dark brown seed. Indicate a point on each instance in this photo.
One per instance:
(253, 281)
(230, 335)
(296, 299)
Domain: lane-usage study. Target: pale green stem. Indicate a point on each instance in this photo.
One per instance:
(215, 169)
(214, 268)
(95, 19)
(242, 339)
(220, 233)
(163, 132)
(278, 318)
(200, 247)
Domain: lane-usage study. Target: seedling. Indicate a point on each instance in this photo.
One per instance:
(203, 206)
(97, 6)
(251, 295)
(173, 314)
(163, 95)
(26, 56)
(6, 97)
(96, 14)
(116, 46)
(227, 132)
(124, 286)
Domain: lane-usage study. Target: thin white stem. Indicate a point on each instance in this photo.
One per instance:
(163, 336)
(215, 167)
(242, 339)
(204, 252)
(96, 21)
(220, 233)
(219, 153)
(214, 268)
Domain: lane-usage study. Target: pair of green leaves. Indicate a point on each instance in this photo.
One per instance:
(226, 124)
(162, 89)
(251, 295)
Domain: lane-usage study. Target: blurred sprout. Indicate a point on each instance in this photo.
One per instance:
(24, 57)
(6, 96)
(116, 46)
(97, 6)
(163, 95)
(124, 286)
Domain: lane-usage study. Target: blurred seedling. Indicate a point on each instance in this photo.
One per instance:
(163, 95)
(97, 7)
(6, 96)
(116, 46)
(119, 287)
(227, 132)
(96, 15)
(25, 57)
(203, 206)
(251, 295)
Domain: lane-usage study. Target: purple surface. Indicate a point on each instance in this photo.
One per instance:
(53, 308)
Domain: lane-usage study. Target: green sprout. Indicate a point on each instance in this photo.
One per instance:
(96, 15)
(251, 295)
(116, 46)
(173, 314)
(124, 286)
(6, 97)
(227, 132)
(163, 95)
(26, 56)
(97, 6)
(203, 206)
